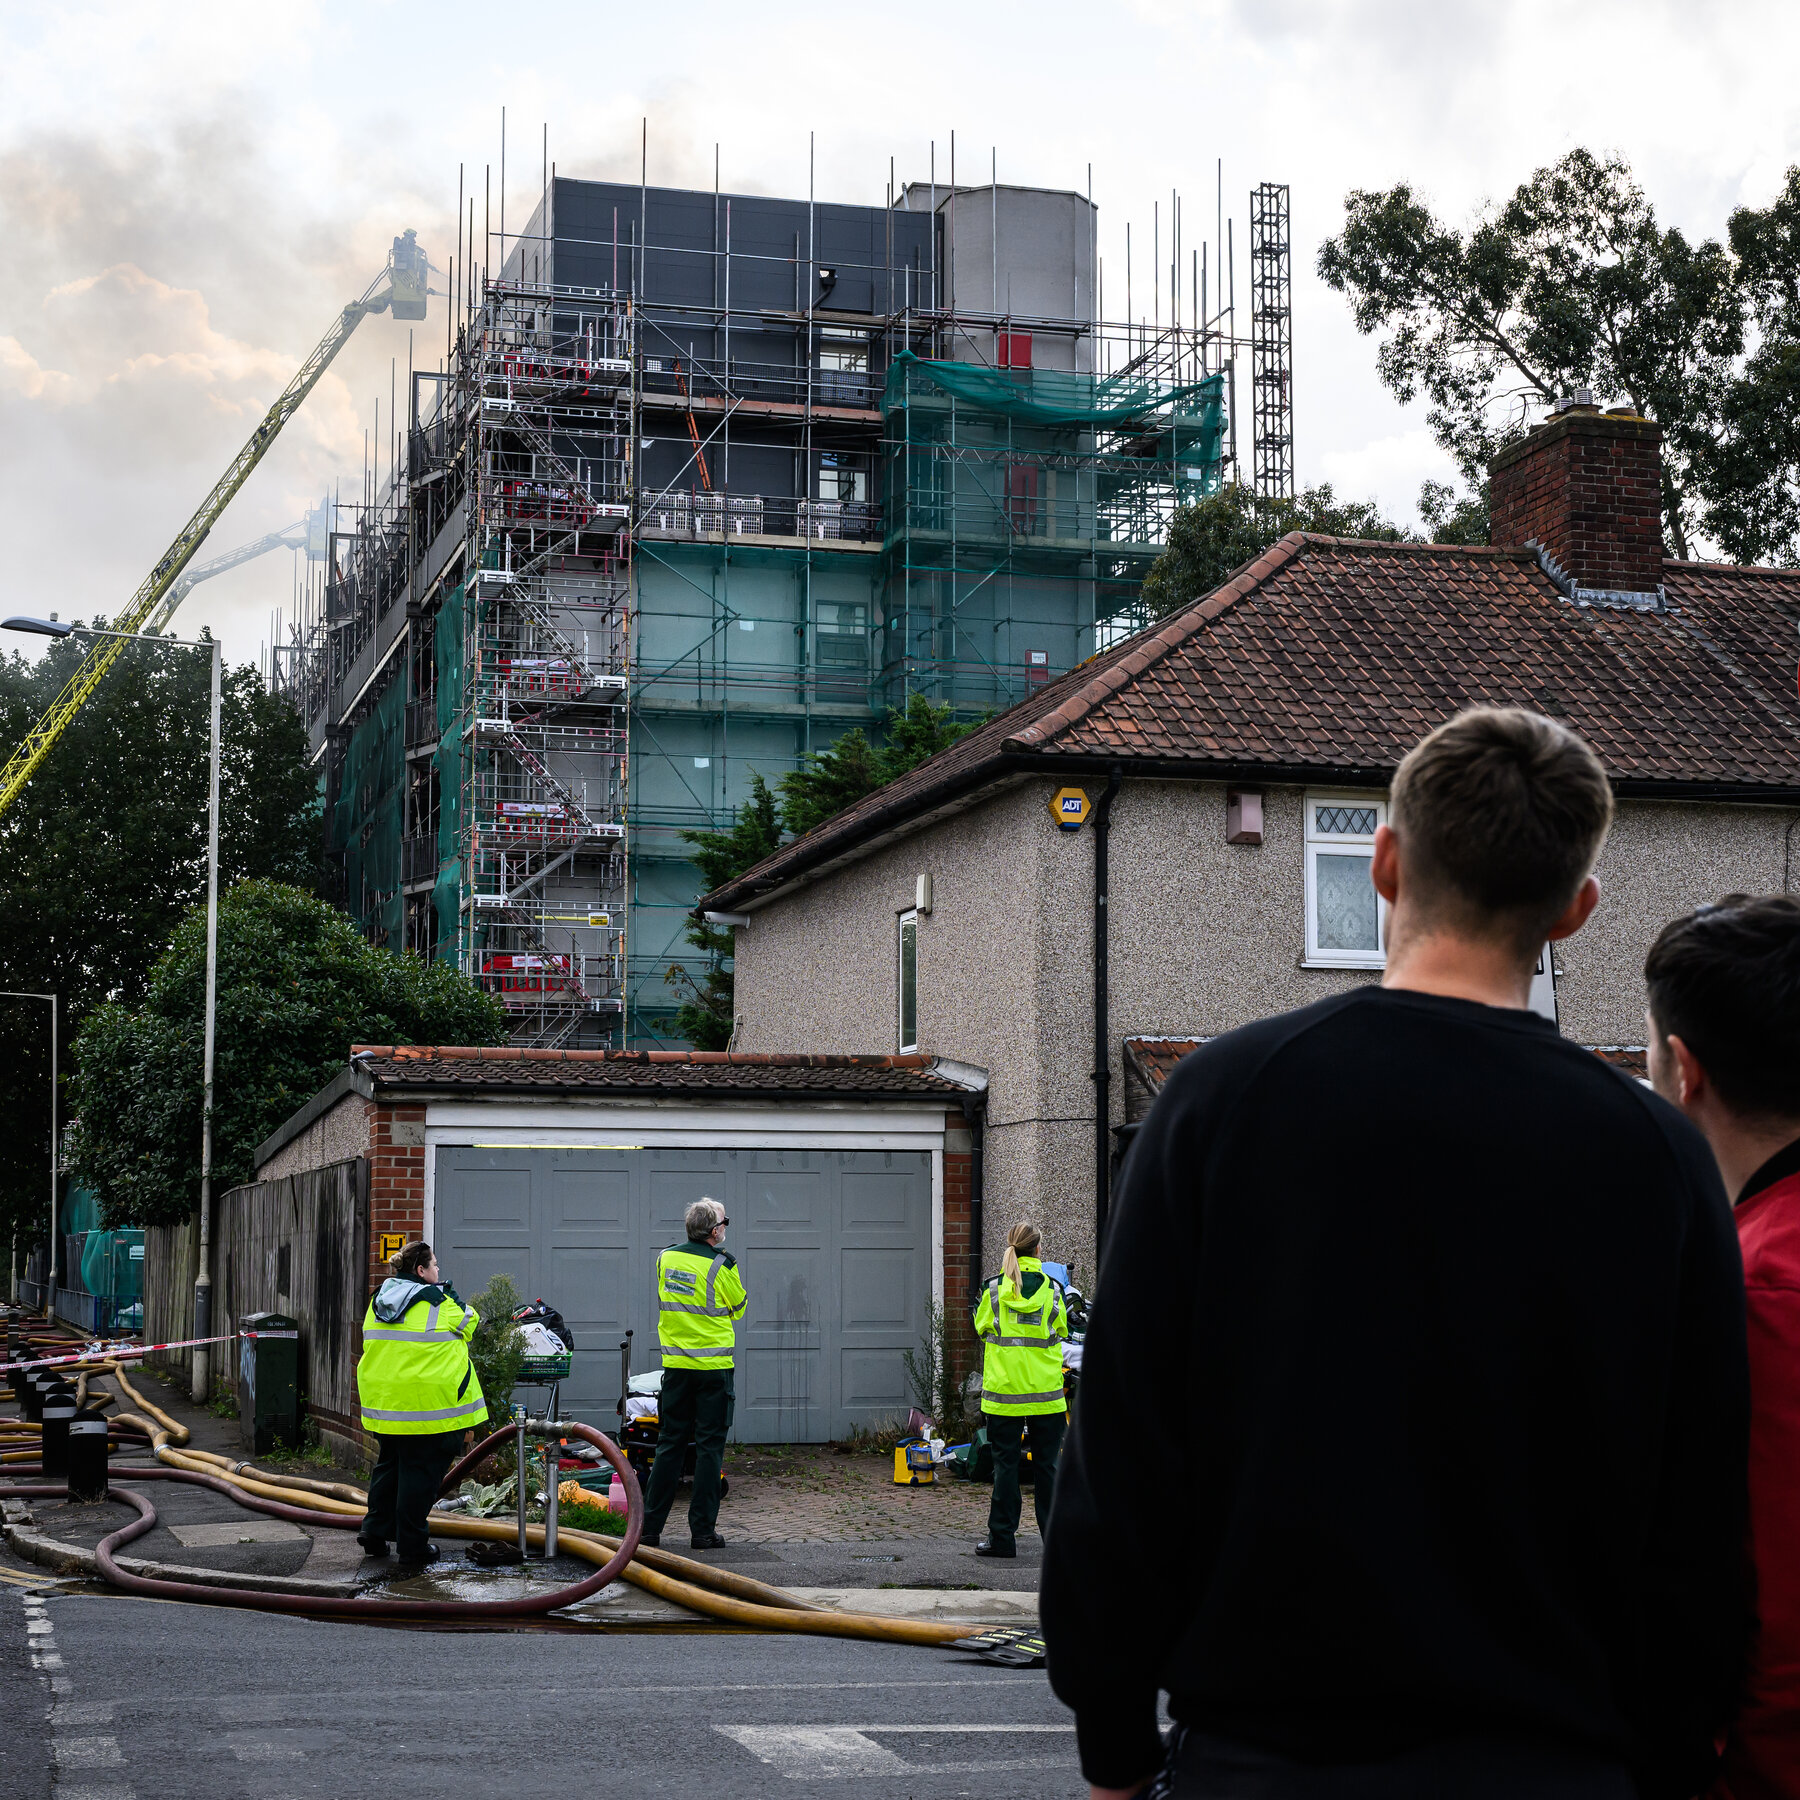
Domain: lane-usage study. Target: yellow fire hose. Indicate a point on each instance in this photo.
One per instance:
(713, 1593)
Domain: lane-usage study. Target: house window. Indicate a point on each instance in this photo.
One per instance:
(909, 981)
(1346, 927)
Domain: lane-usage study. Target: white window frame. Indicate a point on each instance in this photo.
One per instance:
(1317, 841)
(907, 921)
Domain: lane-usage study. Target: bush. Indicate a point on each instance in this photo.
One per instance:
(931, 1374)
(498, 1347)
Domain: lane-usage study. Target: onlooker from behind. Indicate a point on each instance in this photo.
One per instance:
(1725, 1047)
(1409, 1457)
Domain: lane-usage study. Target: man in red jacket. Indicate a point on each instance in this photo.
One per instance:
(1725, 1047)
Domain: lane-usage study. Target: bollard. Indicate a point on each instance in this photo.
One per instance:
(87, 1459)
(32, 1397)
(57, 1417)
(522, 1481)
(551, 1473)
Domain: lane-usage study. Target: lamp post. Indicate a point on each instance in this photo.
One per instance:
(202, 1388)
(55, 1244)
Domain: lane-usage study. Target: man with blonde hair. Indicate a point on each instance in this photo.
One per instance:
(699, 1298)
(1410, 1453)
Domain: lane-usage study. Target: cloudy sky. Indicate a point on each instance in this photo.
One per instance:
(189, 192)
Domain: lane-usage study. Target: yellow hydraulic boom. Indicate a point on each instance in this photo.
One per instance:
(401, 288)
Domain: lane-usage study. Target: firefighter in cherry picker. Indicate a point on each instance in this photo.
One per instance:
(1022, 1321)
(699, 1296)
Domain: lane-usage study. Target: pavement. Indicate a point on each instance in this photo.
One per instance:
(125, 1699)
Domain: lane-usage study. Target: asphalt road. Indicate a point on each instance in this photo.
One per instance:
(107, 1698)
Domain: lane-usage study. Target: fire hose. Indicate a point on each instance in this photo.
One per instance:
(714, 1593)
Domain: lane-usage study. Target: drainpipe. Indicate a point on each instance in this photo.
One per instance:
(1102, 1060)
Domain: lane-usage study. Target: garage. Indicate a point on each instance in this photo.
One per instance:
(848, 1181)
(835, 1248)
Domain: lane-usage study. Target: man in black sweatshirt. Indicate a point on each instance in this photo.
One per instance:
(1410, 1453)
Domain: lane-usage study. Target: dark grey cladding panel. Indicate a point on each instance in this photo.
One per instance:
(766, 235)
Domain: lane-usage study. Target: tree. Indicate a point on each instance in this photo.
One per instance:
(1213, 538)
(1453, 518)
(1753, 495)
(1570, 284)
(104, 850)
(826, 782)
(705, 1017)
(298, 985)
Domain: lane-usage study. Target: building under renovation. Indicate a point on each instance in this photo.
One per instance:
(701, 482)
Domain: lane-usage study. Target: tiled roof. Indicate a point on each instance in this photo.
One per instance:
(1631, 1059)
(1155, 1057)
(698, 1072)
(1326, 657)
(1148, 1062)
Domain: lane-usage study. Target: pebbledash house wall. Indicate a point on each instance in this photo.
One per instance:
(1205, 936)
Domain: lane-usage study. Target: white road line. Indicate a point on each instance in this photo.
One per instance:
(86, 1752)
(98, 1712)
(68, 1752)
(831, 1752)
(815, 1752)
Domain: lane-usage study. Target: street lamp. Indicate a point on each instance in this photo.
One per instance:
(203, 1277)
(55, 1242)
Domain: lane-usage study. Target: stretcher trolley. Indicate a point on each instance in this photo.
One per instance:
(638, 1430)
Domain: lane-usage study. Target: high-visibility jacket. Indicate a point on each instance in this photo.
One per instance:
(415, 1375)
(1022, 1334)
(698, 1294)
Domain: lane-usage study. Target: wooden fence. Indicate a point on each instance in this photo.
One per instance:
(298, 1246)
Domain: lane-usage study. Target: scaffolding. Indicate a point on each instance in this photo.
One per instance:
(1003, 482)
(1271, 342)
(476, 787)
(700, 483)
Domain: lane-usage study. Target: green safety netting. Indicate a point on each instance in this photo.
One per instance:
(448, 648)
(112, 1264)
(1193, 412)
(367, 823)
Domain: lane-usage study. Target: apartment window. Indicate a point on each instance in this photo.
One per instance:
(842, 480)
(1345, 923)
(909, 981)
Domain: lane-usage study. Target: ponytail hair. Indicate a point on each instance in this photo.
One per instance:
(1023, 1238)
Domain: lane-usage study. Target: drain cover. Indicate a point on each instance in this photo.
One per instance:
(875, 1559)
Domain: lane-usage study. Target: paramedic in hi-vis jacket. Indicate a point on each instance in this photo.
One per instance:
(698, 1297)
(418, 1395)
(1021, 1322)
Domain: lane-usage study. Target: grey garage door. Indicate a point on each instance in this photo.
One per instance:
(834, 1247)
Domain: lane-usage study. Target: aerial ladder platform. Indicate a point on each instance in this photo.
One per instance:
(401, 289)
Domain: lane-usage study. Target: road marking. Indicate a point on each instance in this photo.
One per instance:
(815, 1752)
(86, 1752)
(98, 1712)
(18, 1578)
(66, 1752)
(828, 1752)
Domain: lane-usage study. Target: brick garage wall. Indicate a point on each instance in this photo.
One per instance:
(1587, 488)
(396, 1177)
(959, 1167)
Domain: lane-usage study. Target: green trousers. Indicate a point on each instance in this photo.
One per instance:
(404, 1488)
(1006, 1435)
(695, 1406)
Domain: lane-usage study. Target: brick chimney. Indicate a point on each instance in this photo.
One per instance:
(1585, 489)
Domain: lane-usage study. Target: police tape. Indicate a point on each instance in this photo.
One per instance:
(112, 1352)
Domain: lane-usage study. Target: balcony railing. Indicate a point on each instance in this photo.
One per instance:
(686, 513)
